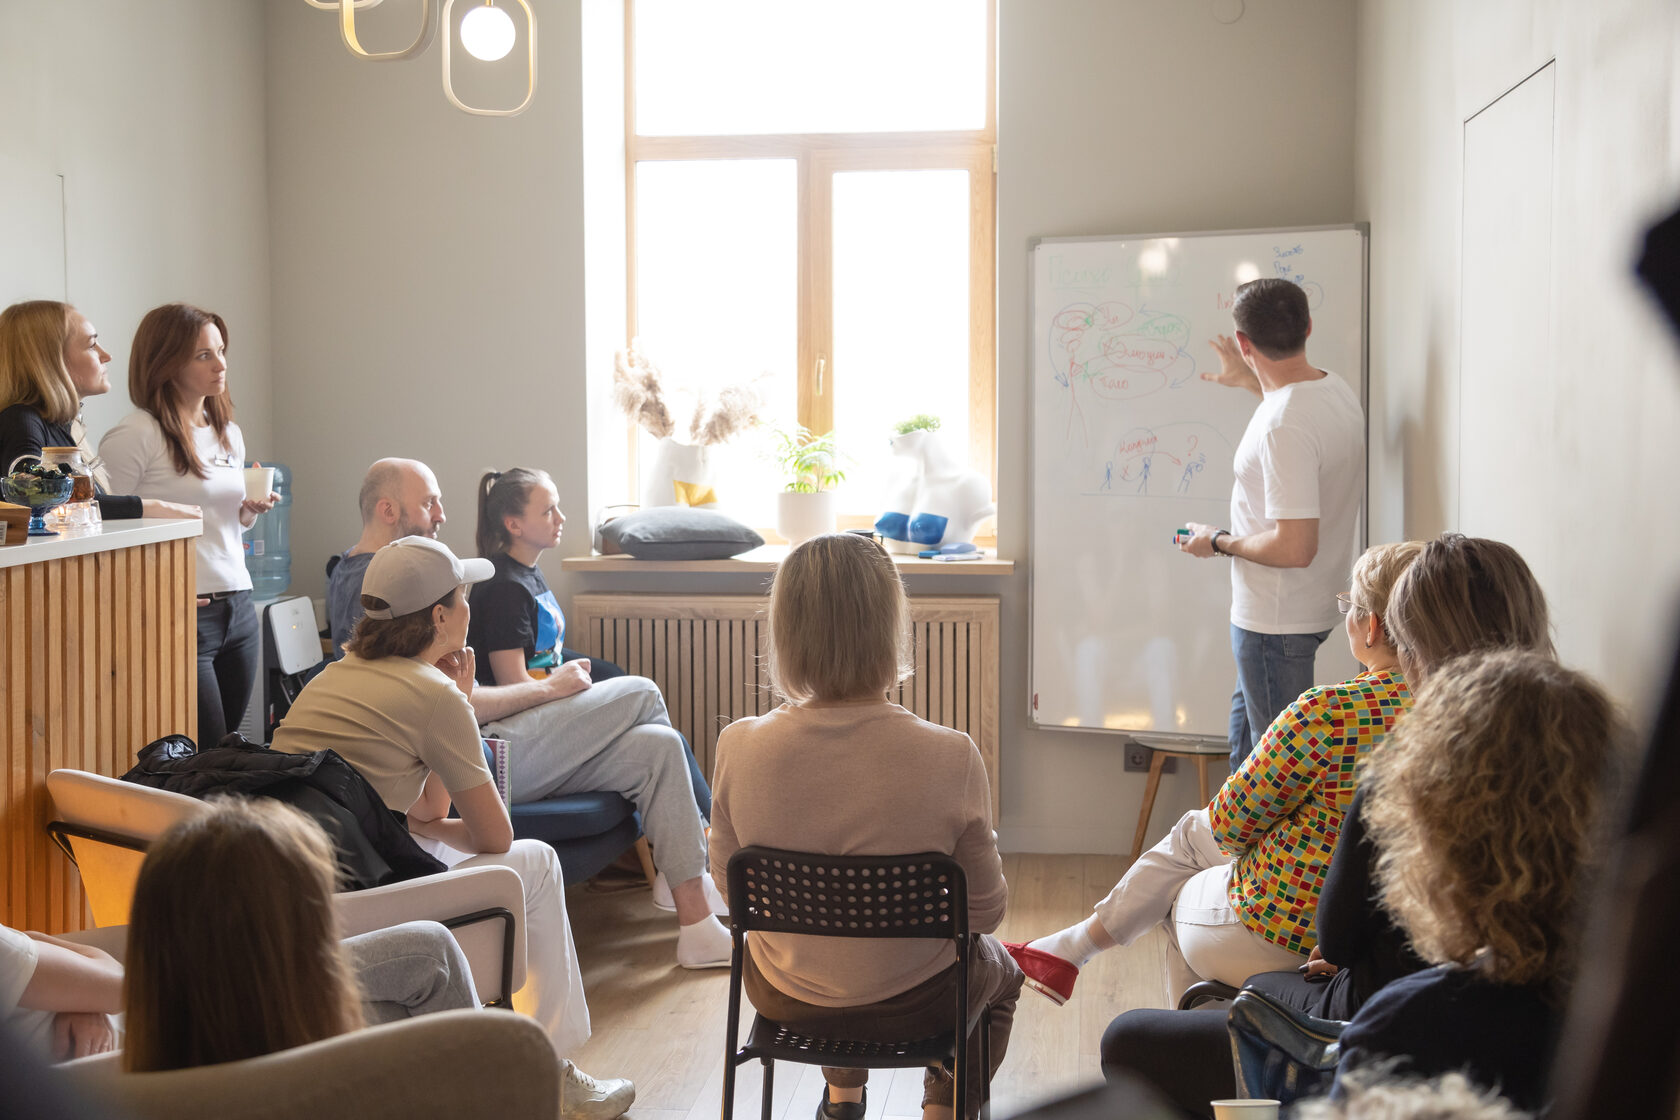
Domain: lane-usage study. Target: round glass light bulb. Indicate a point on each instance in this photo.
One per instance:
(487, 33)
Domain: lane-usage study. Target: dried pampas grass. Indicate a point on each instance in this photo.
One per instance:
(639, 389)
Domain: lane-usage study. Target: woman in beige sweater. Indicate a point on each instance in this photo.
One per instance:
(841, 771)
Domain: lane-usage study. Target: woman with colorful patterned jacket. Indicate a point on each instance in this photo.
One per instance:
(1236, 883)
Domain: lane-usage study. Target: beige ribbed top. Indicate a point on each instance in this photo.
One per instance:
(863, 778)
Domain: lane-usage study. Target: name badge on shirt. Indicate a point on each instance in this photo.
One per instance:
(225, 459)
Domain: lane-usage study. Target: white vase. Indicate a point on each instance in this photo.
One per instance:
(670, 463)
(800, 517)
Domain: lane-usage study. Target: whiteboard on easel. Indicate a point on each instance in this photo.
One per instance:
(1129, 444)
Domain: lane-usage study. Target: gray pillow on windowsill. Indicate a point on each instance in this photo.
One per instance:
(677, 533)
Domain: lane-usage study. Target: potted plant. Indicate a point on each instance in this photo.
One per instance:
(810, 466)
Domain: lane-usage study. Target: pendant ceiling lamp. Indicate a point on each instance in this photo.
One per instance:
(487, 33)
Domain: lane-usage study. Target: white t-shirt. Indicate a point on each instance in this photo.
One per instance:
(395, 720)
(18, 956)
(137, 456)
(1302, 455)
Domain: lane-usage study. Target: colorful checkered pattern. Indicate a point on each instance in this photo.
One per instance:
(1281, 813)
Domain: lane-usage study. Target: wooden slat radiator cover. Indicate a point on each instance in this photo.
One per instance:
(706, 654)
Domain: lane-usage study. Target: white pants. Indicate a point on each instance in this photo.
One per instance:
(1184, 883)
(553, 991)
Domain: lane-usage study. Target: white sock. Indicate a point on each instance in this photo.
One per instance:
(705, 944)
(713, 898)
(1072, 944)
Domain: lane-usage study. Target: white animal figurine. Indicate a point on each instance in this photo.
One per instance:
(943, 503)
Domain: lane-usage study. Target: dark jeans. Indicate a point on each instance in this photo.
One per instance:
(1272, 670)
(227, 664)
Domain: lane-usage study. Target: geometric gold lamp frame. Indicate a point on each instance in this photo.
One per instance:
(531, 64)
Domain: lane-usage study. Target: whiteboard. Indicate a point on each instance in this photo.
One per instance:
(1129, 444)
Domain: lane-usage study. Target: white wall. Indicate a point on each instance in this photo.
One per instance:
(1143, 116)
(428, 276)
(1425, 66)
(153, 114)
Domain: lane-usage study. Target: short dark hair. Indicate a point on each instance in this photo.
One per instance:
(1273, 314)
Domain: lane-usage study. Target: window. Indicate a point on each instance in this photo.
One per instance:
(811, 197)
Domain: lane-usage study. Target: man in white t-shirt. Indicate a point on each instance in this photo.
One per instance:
(1300, 482)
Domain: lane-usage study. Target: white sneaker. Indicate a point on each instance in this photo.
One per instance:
(662, 899)
(583, 1097)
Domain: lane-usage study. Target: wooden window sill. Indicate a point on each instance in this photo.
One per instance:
(763, 561)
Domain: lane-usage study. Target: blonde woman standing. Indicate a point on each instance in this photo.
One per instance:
(50, 362)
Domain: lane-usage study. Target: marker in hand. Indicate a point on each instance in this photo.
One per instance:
(1180, 536)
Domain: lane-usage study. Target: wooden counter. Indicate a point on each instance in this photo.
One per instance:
(98, 651)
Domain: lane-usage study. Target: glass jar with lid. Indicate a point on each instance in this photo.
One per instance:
(81, 511)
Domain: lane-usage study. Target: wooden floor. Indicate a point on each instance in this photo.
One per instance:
(662, 1026)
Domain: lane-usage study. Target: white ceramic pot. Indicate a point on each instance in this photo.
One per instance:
(673, 462)
(803, 516)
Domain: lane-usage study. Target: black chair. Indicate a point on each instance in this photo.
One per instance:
(1205, 991)
(917, 896)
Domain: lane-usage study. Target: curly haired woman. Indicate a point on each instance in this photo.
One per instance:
(1487, 812)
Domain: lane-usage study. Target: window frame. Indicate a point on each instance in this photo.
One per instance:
(818, 157)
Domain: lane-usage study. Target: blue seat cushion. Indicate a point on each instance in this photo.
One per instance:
(570, 816)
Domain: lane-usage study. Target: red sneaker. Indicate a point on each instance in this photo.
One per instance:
(1047, 974)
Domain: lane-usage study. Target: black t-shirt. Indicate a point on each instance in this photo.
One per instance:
(1448, 1019)
(24, 431)
(514, 609)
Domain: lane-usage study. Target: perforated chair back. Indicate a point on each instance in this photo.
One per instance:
(925, 895)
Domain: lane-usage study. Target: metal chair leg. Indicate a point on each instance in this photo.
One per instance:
(769, 1089)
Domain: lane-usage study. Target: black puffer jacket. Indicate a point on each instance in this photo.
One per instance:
(371, 841)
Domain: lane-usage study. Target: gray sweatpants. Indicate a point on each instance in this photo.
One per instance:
(616, 736)
(410, 969)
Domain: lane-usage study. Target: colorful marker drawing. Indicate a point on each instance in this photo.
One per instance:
(1177, 452)
(1119, 352)
(1287, 263)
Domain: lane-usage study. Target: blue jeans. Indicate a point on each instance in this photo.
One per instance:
(1272, 670)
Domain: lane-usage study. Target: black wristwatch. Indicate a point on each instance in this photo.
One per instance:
(1214, 541)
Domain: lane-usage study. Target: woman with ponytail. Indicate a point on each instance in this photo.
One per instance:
(602, 733)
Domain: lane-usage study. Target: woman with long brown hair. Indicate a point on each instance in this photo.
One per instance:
(234, 950)
(183, 446)
(50, 362)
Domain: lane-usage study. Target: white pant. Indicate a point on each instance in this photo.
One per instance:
(1184, 883)
(553, 991)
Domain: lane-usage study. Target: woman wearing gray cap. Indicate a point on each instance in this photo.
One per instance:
(396, 707)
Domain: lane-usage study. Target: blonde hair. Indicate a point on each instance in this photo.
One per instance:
(1376, 572)
(233, 947)
(839, 621)
(33, 335)
(1377, 1092)
(1464, 594)
(1487, 809)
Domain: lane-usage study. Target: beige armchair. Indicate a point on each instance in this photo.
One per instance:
(454, 1063)
(105, 825)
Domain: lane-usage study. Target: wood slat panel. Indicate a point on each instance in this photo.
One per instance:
(99, 653)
